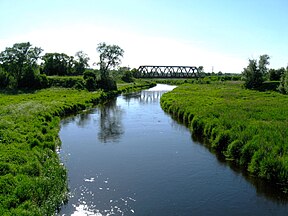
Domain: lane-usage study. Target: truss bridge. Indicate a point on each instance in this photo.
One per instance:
(149, 71)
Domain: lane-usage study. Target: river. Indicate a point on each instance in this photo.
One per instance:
(128, 157)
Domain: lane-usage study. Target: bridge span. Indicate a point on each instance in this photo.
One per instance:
(149, 71)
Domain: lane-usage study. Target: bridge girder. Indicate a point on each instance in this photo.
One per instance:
(149, 71)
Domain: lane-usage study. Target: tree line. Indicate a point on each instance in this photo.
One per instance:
(23, 66)
(256, 73)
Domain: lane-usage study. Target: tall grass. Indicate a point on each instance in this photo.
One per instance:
(248, 127)
(32, 179)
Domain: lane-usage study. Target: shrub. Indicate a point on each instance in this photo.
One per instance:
(283, 87)
(90, 84)
(107, 84)
(65, 82)
(128, 77)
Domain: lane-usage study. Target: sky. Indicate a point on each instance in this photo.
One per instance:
(221, 35)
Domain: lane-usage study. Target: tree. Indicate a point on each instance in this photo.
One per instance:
(254, 74)
(200, 69)
(20, 60)
(109, 58)
(57, 64)
(81, 62)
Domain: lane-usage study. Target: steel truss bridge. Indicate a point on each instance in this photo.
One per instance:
(149, 71)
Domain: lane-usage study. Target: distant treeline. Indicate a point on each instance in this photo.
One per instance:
(23, 66)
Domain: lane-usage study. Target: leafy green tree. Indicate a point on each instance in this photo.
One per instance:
(19, 61)
(109, 58)
(81, 62)
(57, 64)
(254, 74)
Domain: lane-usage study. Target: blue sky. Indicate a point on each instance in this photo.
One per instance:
(222, 34)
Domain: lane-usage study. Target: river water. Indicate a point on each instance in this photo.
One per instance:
(128, 157)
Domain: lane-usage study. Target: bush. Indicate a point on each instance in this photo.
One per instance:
(89, 73)
(66, 81)
(283, 87)
(90, 84)
(107, 84)
(128, 77)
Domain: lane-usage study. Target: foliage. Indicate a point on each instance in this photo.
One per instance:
(4, 78)
(254, 73)
(57, 64)
(62, 65)
(275, 74)
(90, 80)
(66, 81)
(249, 127)
(81, 62)
(20, 61)
(109, 58)
(128, 76)
(283, 87)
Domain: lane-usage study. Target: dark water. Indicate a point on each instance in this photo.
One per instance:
(130, 158)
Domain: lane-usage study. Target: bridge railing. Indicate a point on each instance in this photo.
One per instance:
(149, 71)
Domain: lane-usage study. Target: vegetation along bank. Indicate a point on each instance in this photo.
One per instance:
(32, 179)
(246, 126)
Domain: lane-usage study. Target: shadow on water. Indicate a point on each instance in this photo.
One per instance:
(263, 188)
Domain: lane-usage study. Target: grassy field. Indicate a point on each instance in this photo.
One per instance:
(245, 126)
(32, 179)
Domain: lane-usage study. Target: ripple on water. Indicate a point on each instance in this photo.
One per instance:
(85, 204)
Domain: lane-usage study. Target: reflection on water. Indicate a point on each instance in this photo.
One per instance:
(145, 97)
(111, 127)
(155, 168)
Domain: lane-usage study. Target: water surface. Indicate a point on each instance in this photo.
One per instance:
(128, 157)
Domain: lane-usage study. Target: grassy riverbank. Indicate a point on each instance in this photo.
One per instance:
(248, 127)
(32, 179)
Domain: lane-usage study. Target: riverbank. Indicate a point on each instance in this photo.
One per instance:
(246, 127)
(32, 179)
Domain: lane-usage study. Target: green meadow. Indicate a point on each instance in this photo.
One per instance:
(32, 179)
(245, 126)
